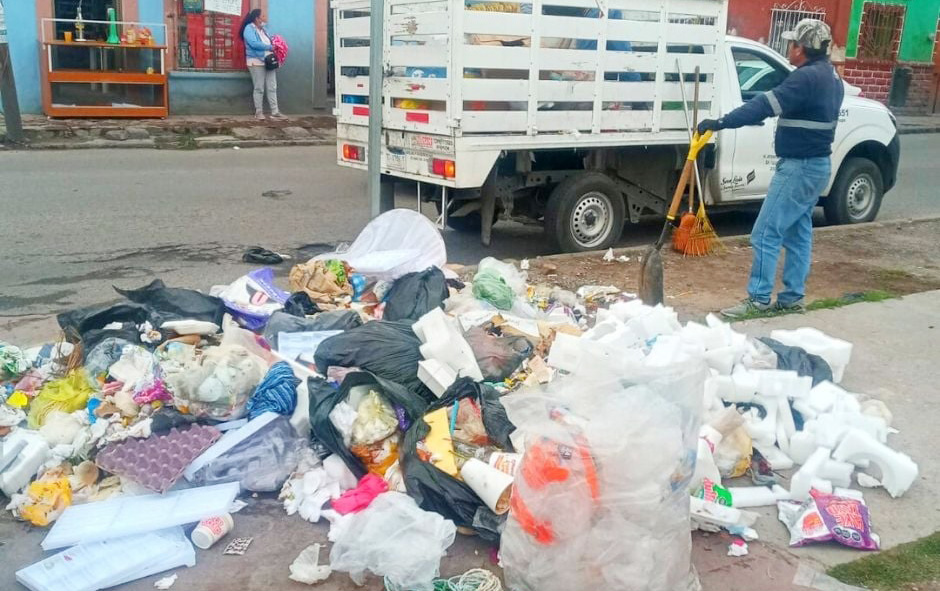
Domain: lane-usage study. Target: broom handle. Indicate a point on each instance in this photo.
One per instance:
(676, 200)
(693, 182)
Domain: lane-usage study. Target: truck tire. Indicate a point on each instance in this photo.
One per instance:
(856, 195)
(585, 212)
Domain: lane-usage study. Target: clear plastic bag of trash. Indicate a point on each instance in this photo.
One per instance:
(395, 539)
(252, 298)
(592, 508)
(260, 463)
(218, 383)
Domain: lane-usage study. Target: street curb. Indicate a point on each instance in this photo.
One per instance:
(918, 130)
(153, 145)
(740, 239)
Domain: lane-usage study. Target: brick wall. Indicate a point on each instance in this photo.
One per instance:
(921, 91)
(874, 78)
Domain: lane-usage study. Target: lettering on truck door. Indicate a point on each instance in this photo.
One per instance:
(754, 157)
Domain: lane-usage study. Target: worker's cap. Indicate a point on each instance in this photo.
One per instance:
(809, 32)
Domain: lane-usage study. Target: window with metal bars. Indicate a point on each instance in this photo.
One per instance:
(879, 34)
(208, 41)
(784, 18)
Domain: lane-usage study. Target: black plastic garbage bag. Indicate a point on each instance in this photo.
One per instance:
(88, 324)
(387, 349)
(300, 304)
(332, 320)
(498, 357)
(415, 294)
(174, 303)
(798, 360)
(324, 397)
(435, 490)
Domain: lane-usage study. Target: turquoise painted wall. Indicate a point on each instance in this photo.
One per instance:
(917, 38)
(294, 20)
(24, 52)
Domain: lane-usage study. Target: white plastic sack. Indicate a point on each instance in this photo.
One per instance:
(394, 538)
(592, 508)
(397, 242)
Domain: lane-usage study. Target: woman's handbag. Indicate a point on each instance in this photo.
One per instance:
(271, 62)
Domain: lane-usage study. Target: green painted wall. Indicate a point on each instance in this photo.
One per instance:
(917, 38)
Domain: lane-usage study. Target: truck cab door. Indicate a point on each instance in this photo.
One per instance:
(753, 160)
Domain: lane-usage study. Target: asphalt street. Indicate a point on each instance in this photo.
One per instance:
(74, 223)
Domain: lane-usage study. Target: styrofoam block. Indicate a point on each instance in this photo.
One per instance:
(785, 383)
(775, 457)
(822, 485)
(836, 352)
(656, 321)
(743, 497)
(104, 564)
(802, 480)
(443, 341)
(707, 512)
(823, 396)
(613, 332)
(726, 389)
(805, 409)
(873, 425)
(33, 452)
(436, 376)
(229, 440)
(898, 470)
(829, 430)
(625, 311)
(124, 516)
(565, 353)
(763, 430)
(802, 446)
(849, 493)
(722, 359)
(839, 473)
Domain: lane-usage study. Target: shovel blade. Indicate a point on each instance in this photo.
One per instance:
(651, 277)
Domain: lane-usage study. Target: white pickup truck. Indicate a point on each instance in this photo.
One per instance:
(569, 113)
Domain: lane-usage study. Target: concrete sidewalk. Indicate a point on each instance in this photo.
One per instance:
(894, 359)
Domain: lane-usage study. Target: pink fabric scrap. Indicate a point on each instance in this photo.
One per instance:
(154, 392)
(280, 48)
(357, 499)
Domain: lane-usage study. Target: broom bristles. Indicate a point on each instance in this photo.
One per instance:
(703, 240)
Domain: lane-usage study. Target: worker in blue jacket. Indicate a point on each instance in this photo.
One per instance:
(807, 103)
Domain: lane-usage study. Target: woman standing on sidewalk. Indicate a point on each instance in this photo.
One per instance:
(257, 47)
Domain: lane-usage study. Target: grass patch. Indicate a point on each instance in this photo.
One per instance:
(874, 295)
(895, 569)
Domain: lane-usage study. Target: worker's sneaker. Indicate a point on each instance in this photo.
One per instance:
(791, 307)
(746, 307)
(278, 116)
(259, 116)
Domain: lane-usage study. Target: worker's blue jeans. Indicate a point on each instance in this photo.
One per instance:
(786, 219)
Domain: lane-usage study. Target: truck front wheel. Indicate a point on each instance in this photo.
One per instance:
(585, 212)
(856, 195)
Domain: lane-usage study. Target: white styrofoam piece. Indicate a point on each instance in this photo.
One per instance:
(840, 473)
(782, 383)
(107, 563)
(743, 497)
(443, 341)
(28, 460)
(125, 516)
(836, 352)
(728, 389)
(802, 480)
(823, 396)
(722, 359)
(849, 493)
(822, 485)
(228, 440)
(613, 332)
(802, 446)
(873, 425)
(764, 430)
(829, 430)
(565, 353)
(187, 327)
(707, 512)
(775, 457)
(437, 376)
(898, 470)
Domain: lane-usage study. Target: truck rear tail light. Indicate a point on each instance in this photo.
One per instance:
(351, 152)
(444, 168)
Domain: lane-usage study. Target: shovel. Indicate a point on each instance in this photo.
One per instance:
(651, 266)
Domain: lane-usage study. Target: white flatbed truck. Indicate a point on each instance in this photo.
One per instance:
(568, 113)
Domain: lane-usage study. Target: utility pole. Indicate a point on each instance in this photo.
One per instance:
(11, 107)
(381, 195)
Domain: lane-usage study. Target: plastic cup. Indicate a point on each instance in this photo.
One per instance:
(211, 530)
(68, 36)
(490, 484)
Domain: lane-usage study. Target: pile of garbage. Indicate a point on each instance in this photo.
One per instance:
(402, 405)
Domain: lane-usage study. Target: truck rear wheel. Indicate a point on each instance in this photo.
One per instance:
(585, 212)
(856, 195)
